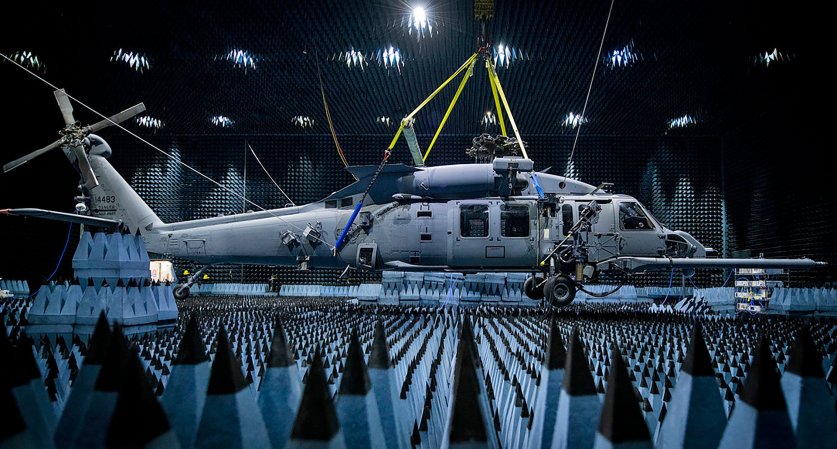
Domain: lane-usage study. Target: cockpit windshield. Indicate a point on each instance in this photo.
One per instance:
(632, 217)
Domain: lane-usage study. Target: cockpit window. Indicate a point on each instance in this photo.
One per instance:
(514, 220)
(633, 218)
(473, 220)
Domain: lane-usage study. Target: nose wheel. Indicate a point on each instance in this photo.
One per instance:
(559, 290)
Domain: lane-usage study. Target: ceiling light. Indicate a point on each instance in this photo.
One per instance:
(775, 56)
(302, 121)
(573, 120)
(622, 57)
(504, 55)
(221, 120)
(420, 16)
(28, 60)
(390, 58)
(146, 121)
(352, 58)
(419, 21)
(135, 60)
(384, 120)
(489, 119)
(682, 122)
(241, 59)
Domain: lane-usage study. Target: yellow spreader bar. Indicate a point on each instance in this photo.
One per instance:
(424, 103)
(500, 103)
(464, 81)
(508, 110)
(497, 107)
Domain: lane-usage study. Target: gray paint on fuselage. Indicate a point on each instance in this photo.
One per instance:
(396, 229)
(255, 237)
(256, 241)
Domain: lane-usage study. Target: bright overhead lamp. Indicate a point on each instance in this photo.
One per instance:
(221, 121)
(768, 57)
(419, 21)
(622, 57)
(241, 59)
(573, 120)
(488, 119)
(682, 121)
(135, 60)
(29, 60)
(302, 121)
(147, 121)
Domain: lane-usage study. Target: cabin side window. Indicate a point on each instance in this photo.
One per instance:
(473, 220)
(514, 220)
(346, 202)
(566, 218)
(633, 218)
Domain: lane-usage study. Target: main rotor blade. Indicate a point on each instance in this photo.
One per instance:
(117, 118)
(65, 106)
(90, 180)
(22, 160)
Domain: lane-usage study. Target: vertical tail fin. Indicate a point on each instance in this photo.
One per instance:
(114, 198)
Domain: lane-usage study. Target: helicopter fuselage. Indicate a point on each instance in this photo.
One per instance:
(430, 218)
(498, 216)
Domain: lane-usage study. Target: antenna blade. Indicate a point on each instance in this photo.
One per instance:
(87, 174)
(20, 161)
(65, 106)
(117, 118)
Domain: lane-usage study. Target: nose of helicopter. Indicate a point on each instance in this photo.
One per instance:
(683, 244)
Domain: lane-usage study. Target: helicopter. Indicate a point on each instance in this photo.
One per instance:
(498, 214)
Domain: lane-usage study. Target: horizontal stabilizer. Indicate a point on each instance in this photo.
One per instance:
(63, 216)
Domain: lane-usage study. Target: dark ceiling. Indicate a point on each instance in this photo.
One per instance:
(696, 58)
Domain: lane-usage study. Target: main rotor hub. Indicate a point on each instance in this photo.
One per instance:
(73, 134)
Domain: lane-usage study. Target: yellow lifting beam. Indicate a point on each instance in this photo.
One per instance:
(493, 73)
(424, 103)
(464, 81)
(500, 103)
(496, 97)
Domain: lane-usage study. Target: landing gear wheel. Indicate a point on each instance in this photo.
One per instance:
(533, 287)
(181, 292)
(559, 290)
